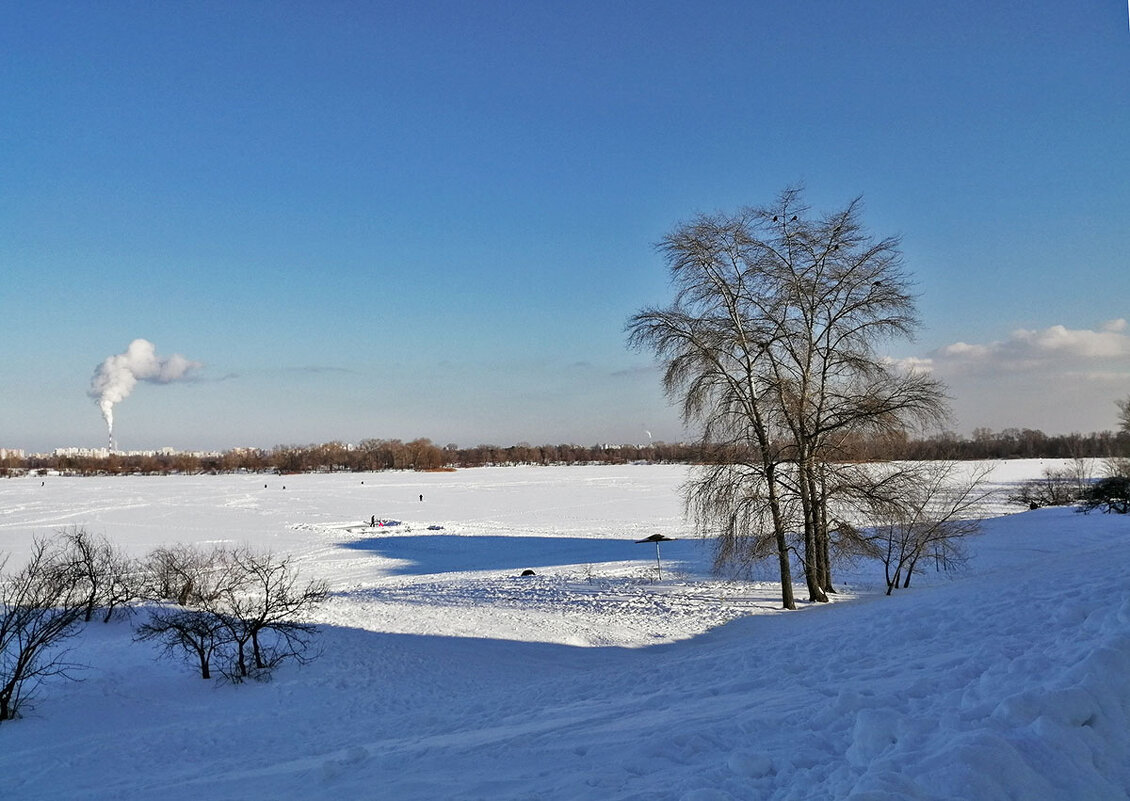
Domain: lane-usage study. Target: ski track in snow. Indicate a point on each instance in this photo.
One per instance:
(1010, 681)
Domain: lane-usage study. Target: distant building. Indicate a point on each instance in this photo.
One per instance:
(82, 453)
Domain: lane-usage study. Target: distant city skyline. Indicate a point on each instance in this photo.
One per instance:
(433, 220)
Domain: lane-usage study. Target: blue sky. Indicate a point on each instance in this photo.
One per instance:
(371, 219)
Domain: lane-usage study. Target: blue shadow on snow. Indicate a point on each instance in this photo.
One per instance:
(446, 553)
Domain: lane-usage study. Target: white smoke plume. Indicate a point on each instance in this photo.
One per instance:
(116, 377)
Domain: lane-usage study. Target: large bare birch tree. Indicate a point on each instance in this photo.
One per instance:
(771, 348)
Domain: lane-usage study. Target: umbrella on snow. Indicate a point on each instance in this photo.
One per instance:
(656, 538)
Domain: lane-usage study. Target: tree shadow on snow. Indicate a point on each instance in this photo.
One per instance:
(445, 553)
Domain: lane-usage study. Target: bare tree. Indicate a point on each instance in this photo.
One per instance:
(120, 588)
(265, 603)
(1120, 467)
(1057, 487)
(922, 515)
(40, 606)
(194, 633)
(239, 606)
(182, 574)
(186, 580)
(103, 572)
(771, 348)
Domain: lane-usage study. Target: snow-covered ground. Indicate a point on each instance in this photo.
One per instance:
(446, 675)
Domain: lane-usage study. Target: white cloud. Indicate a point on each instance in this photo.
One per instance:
(962, 350)
(1035, 350)
(1058, 379)
(911, 364)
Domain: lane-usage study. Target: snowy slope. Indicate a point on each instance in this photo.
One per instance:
(444, 675)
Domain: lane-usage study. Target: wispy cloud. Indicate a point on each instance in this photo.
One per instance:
(912, 364)
(317, 369)
(635, 372)
(1055, 378)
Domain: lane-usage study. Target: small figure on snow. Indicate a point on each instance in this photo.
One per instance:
(372, 521)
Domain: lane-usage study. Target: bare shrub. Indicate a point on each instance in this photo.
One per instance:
(238, 606)
(264, 603)
(1057, 487)
(1110, 494)
(923, 518)
(105, 575)
(191, 633)
(178, 574)
(40, 607)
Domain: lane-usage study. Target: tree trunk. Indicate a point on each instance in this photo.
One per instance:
(826, 558)
(910, 569)
(822, 570)
(787, 599)
(823, 545)
(185, 593)
(808, 509)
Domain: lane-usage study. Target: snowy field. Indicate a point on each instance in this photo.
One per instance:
(446, 675)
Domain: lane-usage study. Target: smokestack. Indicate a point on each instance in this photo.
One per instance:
(116, 377)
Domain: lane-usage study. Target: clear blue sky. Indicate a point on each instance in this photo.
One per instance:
(374, 219)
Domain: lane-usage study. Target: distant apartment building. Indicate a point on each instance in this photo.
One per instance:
(106, 453)
(82, 453)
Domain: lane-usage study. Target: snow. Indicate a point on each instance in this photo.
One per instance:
(445, 674)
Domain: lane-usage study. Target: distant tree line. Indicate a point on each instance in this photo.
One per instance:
(1009, 443)
(368, 455)
(423, 454)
